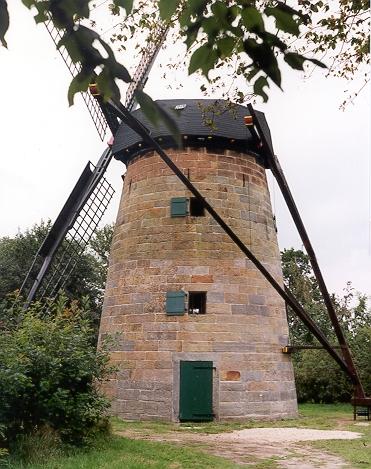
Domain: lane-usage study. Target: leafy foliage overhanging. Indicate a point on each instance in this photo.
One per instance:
(250, 35)
(231, 28)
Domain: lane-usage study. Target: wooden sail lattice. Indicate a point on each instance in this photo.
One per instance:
(77, 240)
(93, 107)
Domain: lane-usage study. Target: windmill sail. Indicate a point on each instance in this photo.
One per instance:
(70, 233)
(92, 105)
(147, 60)
(81, 214)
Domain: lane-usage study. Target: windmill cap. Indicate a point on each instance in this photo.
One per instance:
(201, 122)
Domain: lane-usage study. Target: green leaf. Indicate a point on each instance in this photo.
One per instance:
(41, 17)
(220, 11)
(198, 58)
(296, 61)
(116, 68)
(226, 46)
(203, 58)
(126, 4)
(252, 19)
(286, 8)
(148, 106)
(284, 20)
(167, 8)
(155, 113)
(79, 45)
(4, 21)
(251, 74)
(259, 85)
(271, 40)
(211, 27)
(317, 62)
(197, 7)
(263, 59)
(107, 85)
(192, 32)
(28, 3)
(65, 11)
(80, 83)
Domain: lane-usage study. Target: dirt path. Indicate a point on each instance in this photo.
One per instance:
(248, 447)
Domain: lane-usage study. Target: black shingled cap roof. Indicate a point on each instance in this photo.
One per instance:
(201, 122)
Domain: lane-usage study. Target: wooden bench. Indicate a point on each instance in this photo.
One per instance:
(361, 407)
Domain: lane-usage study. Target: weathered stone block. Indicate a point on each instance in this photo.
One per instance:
(230, 376)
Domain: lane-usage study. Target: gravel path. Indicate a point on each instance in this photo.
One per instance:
(249, 446)
(285, 435)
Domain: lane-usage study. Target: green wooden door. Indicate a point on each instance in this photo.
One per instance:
(196, 391)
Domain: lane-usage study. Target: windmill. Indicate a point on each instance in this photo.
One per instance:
(249, 136)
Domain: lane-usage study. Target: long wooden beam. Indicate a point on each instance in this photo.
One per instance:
(276, 169)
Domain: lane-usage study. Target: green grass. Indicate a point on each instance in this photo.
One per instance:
(122, 452)
(318, 416)
(117, 453)
(357, 452)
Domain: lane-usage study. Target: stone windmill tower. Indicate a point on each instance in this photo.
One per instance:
(201, 331)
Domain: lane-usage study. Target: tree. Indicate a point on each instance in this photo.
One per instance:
(299, 278)
(220, 30)
(337, 32)
(16, 255)
(99, 247)
(317, 375)
(87, 280)
(340, 34)
(251, 37)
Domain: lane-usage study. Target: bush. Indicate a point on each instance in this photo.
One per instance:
(319, 378)
(50, 372)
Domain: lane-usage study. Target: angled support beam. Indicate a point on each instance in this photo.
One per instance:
(276, 169)
(285, 293)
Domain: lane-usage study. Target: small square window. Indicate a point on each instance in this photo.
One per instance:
(197, 302)
(196, 208)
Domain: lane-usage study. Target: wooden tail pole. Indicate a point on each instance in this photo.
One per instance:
(276, 169)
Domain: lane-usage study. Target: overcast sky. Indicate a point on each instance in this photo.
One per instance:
(325, 152)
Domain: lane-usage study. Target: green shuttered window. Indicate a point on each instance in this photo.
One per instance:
(179, 207)
(175, 303)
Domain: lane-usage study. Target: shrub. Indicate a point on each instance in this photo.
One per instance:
(50, 373)
(319, 378)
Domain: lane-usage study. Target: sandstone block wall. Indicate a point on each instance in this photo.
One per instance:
(245, 325)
